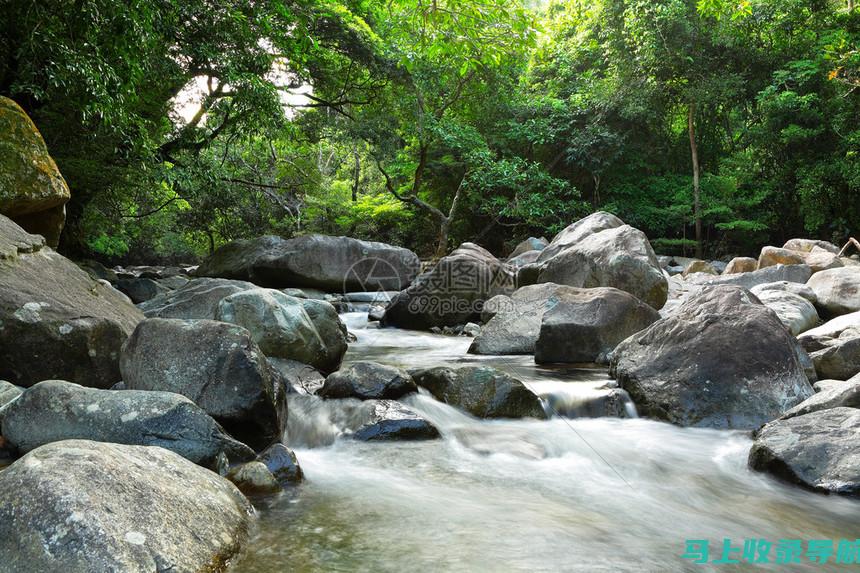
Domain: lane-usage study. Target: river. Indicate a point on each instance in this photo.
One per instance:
(567, 494)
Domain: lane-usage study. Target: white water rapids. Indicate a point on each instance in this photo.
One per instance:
(580, 494)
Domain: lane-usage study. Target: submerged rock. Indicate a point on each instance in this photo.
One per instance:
(482, 391)
(333, 264)
(254, 478)
(368, 381)
(215, 364)
(723, 360)
(78, 506)
(55, 320)
(818, 450)
(54, 410)
(587, 324)
(390, 420)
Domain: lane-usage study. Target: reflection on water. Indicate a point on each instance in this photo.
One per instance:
(526, 495)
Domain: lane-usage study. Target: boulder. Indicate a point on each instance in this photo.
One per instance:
(368, 381)
(515, 321)
(482, 391)
(741, 265)
(576, 232)
(283, 328)
(215, 364)
(32, 191)
(817, 258)
(530, 244)
(586, 325)
(620, 257)
(254, 478)
(816, 450)
(798, 289)
(332, 264)
(527, 258)
(453, 292)
(282, 463)
(789, 273)
(808, 245)
(836, 356)
(794, 311)
(833, 394)
(838, 290)
(198, 299)
(140, 290)
(390, 420)
(723, 360)
(699, 266)
(55, 320)
(78, 506)
(8, 392)
(300, 378)
(55, 410)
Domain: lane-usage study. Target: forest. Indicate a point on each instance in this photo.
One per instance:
(715, 126)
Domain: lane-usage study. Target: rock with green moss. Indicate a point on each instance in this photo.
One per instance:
(32, 190)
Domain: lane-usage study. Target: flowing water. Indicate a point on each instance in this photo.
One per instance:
(565, 494)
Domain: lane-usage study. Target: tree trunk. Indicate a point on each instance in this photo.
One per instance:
(694, 152)
(356, 175)
(850, 5)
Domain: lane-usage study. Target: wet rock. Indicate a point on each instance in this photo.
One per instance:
(816, 450)
(598, 403)
(390, 420)
(453, 292)
(794, 311)
(334, 264)
(54, 410)
(55, 320)
(215, 364)
(198, 299)
(838, 290)
(254, 478)
(619, 257)
(528, 245)
(32, 190)
(282, 463)
(833, 394)
(483, 392)
(368, 381)
(741, 265)
(300, 378)
(79, 506)
(586, 325)
(516, 320)
(723, 360)
(283, 328)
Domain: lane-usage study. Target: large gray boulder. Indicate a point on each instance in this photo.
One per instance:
(199, 299)
(333, 264)
(832, 394)
(55, 410)
(283, 326)
(453, 292)
(579, 230)
(368, 381)
(482, 391)
(515, 322)
(795, 312)
(55, 320)
(723, 360)
(619, 257)
(528, 245)
(215, 364)
(798, 289)
(838, 290)
(741, 265)
(777, 273)
(140, 289)
(8, 392)
(834, 352)
(818, 450)
(586, 325)
(81, 507)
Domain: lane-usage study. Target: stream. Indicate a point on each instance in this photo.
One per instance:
(568, 494)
